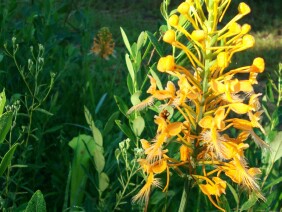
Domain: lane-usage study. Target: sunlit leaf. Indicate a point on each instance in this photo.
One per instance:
(158, 81)
(104, 181)
(130, 68)
(135, 98)
(276, 147)
(125, 40)
(138, 125)
(141, 40)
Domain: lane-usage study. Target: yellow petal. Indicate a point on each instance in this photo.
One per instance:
(217, 86)
(159, 167)
(174, 128)
(145, 144)
(246, 86)
(240, 108)
(185, 152)
(207, 189)
(206, 122)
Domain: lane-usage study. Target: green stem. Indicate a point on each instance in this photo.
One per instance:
(186, 189)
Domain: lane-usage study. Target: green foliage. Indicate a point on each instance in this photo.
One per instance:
(49, 73)
(36, 203)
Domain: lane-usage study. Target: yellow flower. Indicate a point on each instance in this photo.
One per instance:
(143, 194)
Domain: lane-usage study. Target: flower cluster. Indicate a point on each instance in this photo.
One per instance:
(211, 100)
(103, 44)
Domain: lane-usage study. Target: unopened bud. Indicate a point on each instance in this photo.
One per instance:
(166, 63)
(258, 65)
(246, 28)
(244, 9)
(173, 20)
(248, 41)
(222, 59)
(183, 8)
(198, 35)
(169, 36)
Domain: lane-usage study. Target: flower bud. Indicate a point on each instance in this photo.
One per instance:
(235, 28)
(183, 8)
(185, 152)
(244, 9)
(248, 41)
(173, 20)
(222, 60)
(246, 28)
(166, 63)
(198, 35)
(169, 36)
(258, 65)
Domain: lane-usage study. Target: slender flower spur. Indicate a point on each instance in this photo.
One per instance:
(210, 99)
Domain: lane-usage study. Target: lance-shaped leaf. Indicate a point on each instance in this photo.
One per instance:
(36, 203)
(5, 124)
(6, 161)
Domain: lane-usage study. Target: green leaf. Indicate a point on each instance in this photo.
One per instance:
(224, 203)
(2, 101)
(110, 123)
(6, 161)
(36, 203)
(99, 159)
(98, 138)
(135, 98)
(234, 193)
(250, 202)
(269, 92)
(138, 125)
(5, 124)
(130, 67)
(141, 40)
(276, 147)
(273, 183)
(104, 181)
(125, 40)
(121, 105)
(79, 145)
(126, 130)
(44, 111)
(84, 147)
(155, 43)
(100, 103)
(158, 81)
(130, 84)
